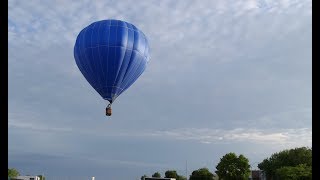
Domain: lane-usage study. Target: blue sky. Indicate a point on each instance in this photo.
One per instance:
(224, 76)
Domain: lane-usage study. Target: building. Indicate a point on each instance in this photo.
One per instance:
(154, 178)
(257, 175)
(26, 178)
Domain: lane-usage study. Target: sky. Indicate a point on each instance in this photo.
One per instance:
(223, 76)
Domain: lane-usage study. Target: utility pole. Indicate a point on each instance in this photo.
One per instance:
(187, 169)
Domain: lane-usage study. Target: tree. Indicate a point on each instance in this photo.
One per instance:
(301, 171)
(201, 174)
(174, 174)
(144, 176)
(286, 158)
(156, 174)
(42, 177)
(12, 173)
(233, 167)
(181, 178)
(171, 174)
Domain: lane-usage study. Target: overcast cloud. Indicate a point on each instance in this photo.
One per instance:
(224, 76)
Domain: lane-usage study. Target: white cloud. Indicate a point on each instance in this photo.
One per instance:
(36, 127)
(32, 123)
(189, 42)
(287, 137)
(122, 162)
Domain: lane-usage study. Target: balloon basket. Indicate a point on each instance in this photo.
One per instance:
(108, 110)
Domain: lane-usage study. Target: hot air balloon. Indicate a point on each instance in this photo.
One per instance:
(111, 55)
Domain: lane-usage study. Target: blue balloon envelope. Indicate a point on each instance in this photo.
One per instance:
(111, 55)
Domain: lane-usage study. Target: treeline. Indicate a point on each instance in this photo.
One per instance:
(168, 174)
(289, 164)
(285, 165)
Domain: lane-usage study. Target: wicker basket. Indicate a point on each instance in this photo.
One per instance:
(108, 111)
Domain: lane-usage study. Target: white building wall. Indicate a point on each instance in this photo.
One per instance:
(28, 177)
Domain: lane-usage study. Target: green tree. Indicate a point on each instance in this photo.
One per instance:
(12, 173)
(42, 177)
(233, 167)
(156, 174)
(181, 177)
(144, 176)
(201, 174)
(174, 174)
(286, 158)
(171, 174)
(300, 172)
